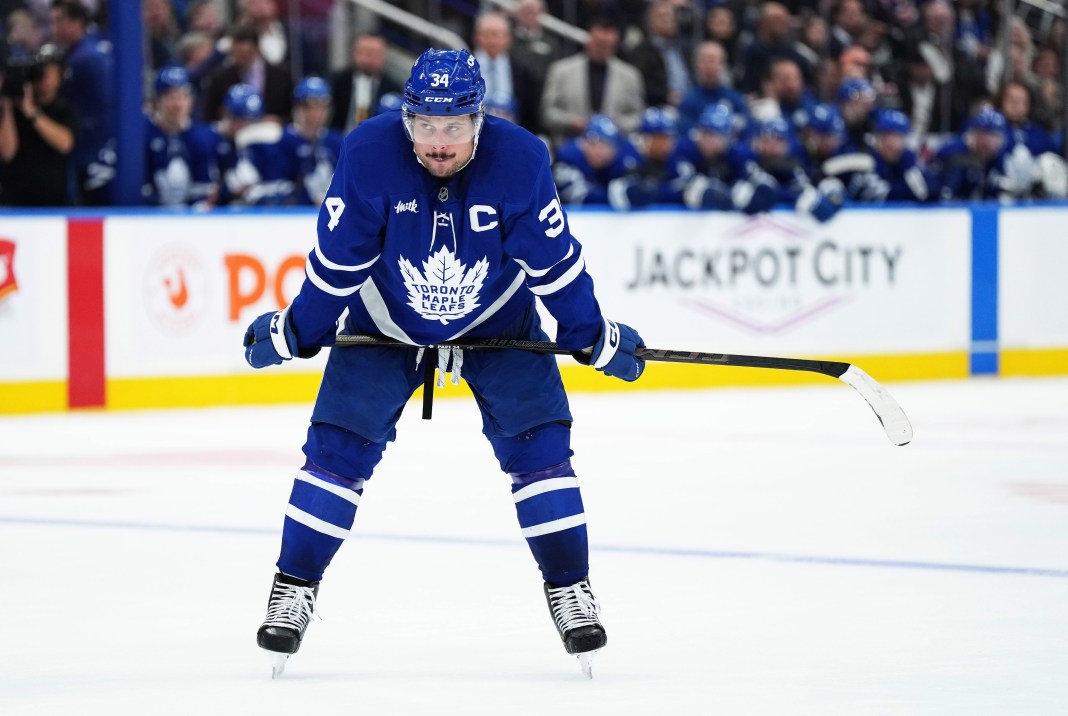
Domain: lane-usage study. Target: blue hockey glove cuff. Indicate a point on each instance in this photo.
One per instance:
(613, 354)
(270, 339)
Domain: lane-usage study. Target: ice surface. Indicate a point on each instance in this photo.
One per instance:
(759, 551)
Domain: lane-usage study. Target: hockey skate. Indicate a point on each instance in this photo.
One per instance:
(574, 610)
(289, 609)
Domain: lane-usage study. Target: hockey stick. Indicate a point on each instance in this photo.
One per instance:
(893, 418)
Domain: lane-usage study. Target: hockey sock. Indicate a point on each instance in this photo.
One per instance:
(549, 507)
(320, 513)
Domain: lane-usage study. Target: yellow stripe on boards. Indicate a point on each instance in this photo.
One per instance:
(204, 391)
(1033, 362)
(44, 396)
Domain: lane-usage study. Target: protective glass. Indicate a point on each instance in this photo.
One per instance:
(442, 131)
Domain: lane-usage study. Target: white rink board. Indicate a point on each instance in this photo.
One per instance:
(1033, 292)
(33, 319)
(867, 282)
(154, 328)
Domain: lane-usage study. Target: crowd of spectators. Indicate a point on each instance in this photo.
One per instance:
(708, 104)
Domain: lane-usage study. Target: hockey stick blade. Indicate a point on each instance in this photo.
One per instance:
(891, 416)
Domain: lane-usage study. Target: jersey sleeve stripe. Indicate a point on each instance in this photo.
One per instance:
(339, 267)
(379, 312)
(536, 273)
(325, 287)
(570, 275)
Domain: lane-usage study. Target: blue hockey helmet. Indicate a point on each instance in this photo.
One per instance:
(891, 120)
(601, 127)
(244, 102)
(311, 89)
(856, 88)
(444, 83)
(775, 128)
(988, 119)
(172, 77)
(825, 119)
(717, 118)
(659, 120)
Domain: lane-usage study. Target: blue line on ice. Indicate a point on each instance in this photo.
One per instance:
(625, 549)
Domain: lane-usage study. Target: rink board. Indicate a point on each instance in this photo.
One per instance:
(907, 294)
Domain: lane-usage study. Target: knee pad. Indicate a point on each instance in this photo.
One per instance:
(533, 450)
(342, 452)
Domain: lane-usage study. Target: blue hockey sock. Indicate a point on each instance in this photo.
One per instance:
(320, 513)
(549, 507)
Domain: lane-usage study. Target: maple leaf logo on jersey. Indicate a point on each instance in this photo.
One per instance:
(446, 289)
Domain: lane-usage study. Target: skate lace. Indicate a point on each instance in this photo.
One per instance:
(574, 607)
(291, 606)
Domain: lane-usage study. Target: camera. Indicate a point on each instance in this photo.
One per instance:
(17, 71)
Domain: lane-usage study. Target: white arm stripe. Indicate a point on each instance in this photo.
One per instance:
(570, 275)
(376, 307)
(339, 267)
(535, 273)
(311, 521)
(325, 287)
(344, 494)
(543, 486)
(564, 523)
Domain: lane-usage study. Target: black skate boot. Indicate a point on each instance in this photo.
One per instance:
(574, 610)
(289, 609)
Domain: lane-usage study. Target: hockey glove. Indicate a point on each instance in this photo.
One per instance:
(707, 193)
(271, 339)
(630, 193)
(613, 353)
(754, 197)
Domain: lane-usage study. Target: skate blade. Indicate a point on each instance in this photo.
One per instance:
(278, 664)
(586, 662)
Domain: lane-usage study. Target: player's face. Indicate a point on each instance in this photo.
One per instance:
(314, 114)
(443, 144)
(176, 105)
(890, 145)
(711, 144)
(659, 146)
(770, 147)
(987, 143)
(599, 153)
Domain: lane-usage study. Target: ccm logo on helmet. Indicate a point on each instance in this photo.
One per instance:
(438, 99)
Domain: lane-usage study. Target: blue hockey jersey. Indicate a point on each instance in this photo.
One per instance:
(312, 163)
(580, 183)
(181, 169)
(424, 260)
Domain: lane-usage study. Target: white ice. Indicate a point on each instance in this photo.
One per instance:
(758, 551)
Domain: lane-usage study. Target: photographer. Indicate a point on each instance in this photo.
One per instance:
(36, 135)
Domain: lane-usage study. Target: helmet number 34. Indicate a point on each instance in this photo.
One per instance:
(439, 80)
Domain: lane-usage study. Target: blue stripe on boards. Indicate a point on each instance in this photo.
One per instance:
(681, 552)
(984, 349)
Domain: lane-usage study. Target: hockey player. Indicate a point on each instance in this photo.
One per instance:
(895, 173)
(979, 164)
(856, 102)
(658, 136)
(771, 170)
(182, 156)
(309, 145)
(823, 136)
(600, 167)
(441, 222)
(254, 166)
(702, 159)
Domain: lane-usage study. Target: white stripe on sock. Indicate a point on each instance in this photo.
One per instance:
(299, 515)
(542, 486)
(555, 526)
(330, 487)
